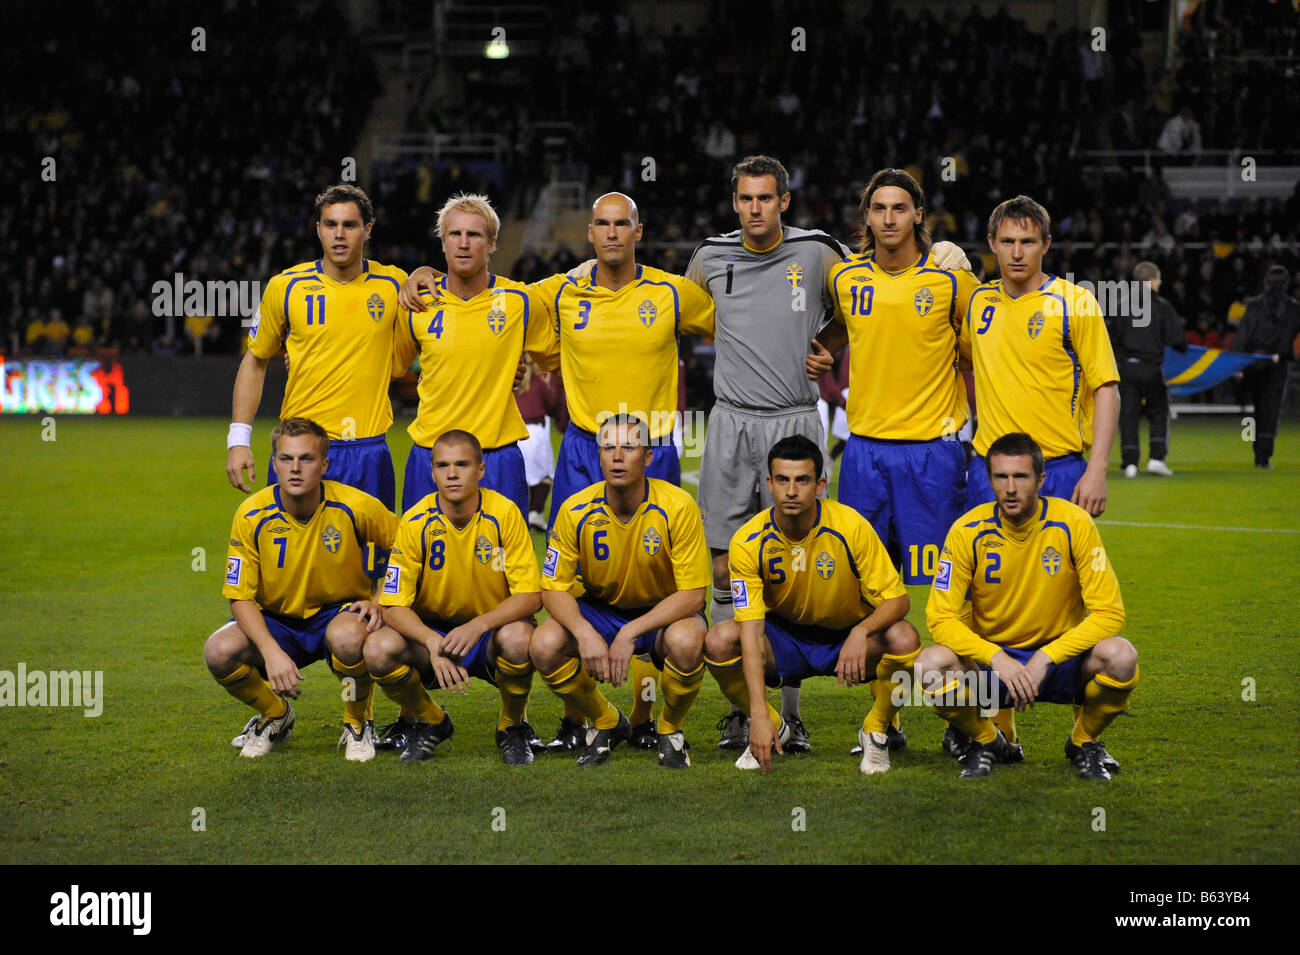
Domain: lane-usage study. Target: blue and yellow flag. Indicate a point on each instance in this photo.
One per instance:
(1200, 368)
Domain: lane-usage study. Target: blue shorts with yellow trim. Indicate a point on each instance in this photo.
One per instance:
(503, 472)
(365, 464)
(801, 651)
(912, 492)
(303, 639)
(478, 662)
(578, 465)
(1060, 475)
(1063, 683)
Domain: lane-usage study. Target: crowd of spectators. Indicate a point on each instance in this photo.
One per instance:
(172, 160)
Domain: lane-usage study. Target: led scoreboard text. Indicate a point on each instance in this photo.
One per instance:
(62, 386)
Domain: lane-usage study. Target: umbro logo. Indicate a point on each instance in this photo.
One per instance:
(597, 522)
(313, 288)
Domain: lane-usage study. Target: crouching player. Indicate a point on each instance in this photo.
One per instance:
(1043, 622)
(299, 591)
(815, 594)
(638, 544)
(458, 600)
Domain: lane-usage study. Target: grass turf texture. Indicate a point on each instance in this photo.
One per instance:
(99, 542)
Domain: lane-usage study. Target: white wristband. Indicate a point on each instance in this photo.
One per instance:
(239, 436)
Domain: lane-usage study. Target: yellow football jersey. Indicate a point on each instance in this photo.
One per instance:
(293, 569)
(903, 333)
(340, 342)
(469, 350)
(454, 575)
(659, 551)
(1048, 585)
(833, 578)
(1038, 359)
(619, 349)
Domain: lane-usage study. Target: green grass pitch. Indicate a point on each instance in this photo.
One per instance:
(100, 546)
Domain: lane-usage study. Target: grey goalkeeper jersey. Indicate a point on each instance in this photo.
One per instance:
(770, 305)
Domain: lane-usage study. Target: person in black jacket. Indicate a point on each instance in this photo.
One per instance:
(1139, 344)
(1269, 327)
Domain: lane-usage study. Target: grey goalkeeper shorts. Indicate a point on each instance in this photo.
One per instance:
(733, 472)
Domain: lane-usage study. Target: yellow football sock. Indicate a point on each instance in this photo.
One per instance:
(1104, 698)
(402, 686)
(946, 701)
(571, 683)
(639, 671)
(355, 711)
(1004, 718)
(883, 711)
(514, 680)
(731, 681)
(247, 686)
(680, 690)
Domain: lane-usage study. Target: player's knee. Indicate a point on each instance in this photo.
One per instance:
(382, 650)
(220, 651)
(684, 644)
(513, 639)
(546, 646)
(933, 665)
(346, 636)
(902, 639)
(1118, 658)
(722, 642)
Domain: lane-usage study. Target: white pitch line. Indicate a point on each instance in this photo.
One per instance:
(1205, 527)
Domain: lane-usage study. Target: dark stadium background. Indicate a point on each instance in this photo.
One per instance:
(170, 159)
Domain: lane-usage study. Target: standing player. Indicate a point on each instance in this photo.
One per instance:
(815, 595)
(469, 348)
(1043, 363)
(638, 544)
(904, 468)
(336, 317)
(768, 283)
(1025, 591)
(299, 592)
(458, 599)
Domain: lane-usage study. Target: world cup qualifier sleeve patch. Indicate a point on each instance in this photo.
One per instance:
(739, 594)
(552, 558)
(944, 575)
(393, 580)
(233, 565)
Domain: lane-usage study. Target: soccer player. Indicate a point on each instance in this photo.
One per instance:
(458, 600)
(469, 346)
(638, 545)
(1025, 592)
(299, 592)
(1043, 363)
(336, 317)
(815, 595)
(769, 285)
(904, 467)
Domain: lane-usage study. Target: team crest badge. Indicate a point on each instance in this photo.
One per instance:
(825, 565)
(647, 313)
(650, 540)
(794, 274)
(1051, 561)
(331, 538)
(375, 305)
(924, 301)
(1036, 322)
(483, 549)
(496, 319)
